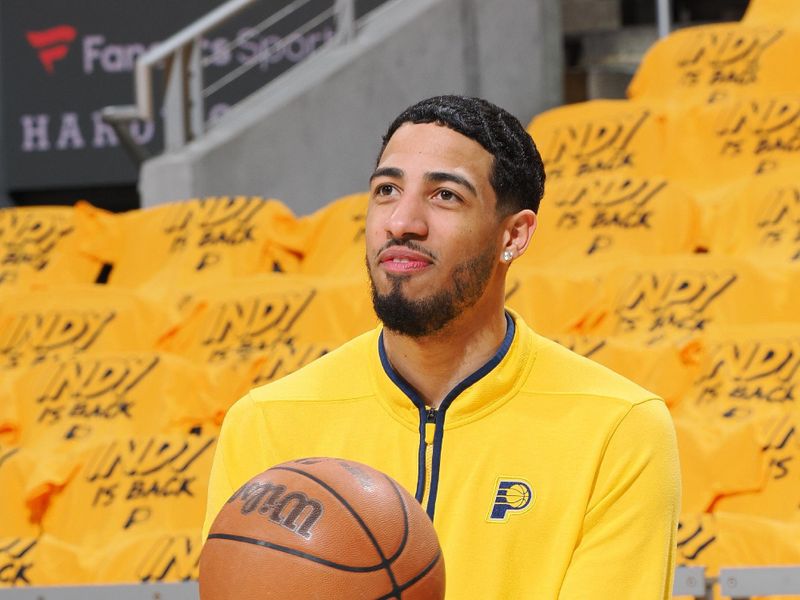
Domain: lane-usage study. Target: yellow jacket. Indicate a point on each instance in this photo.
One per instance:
(546, 475)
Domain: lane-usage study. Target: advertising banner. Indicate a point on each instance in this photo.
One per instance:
(62, 62)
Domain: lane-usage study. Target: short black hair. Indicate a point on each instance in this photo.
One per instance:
(517, 173)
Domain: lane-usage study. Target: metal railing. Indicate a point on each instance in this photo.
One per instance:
(180, 56)
(663, 20)
(738, 583)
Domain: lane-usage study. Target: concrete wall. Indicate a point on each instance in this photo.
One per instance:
(312, 135)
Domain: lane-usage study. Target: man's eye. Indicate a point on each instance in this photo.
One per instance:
(385, 190)
(447, 195)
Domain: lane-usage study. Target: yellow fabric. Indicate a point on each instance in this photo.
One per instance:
(598, 451)
(155, 557)
(194, 242)
(600, 136)
(719, 458)
(728, 539)
(783, 13)
(39, 561)
(123, 486)
(676, 297)
(780, 497)
(733, 138)
(335, 238)
(60, 321)
(748, 368)
(15, 464)
(530, 291)
(613, 216)
(105, 394)
(758, 218)
(40, 244)
(748, 379)
(707, 63)
(667, 367)
(252, 316)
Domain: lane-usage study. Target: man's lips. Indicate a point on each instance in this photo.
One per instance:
(403, 260)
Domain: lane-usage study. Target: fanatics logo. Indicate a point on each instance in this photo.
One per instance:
(52, 44)
(513, 495)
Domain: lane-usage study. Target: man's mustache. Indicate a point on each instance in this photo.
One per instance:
(410, 244)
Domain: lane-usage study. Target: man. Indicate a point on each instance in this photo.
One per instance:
(546, 475)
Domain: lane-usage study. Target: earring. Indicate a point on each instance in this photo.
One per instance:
(507, 255)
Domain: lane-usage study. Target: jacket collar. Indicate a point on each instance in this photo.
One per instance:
(481, 392)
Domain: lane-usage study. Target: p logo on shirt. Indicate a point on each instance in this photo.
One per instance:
(511, 495)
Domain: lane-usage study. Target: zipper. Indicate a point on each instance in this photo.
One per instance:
(430, 431)
(431, 420)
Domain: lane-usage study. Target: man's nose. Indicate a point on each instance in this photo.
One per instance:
(408, 218)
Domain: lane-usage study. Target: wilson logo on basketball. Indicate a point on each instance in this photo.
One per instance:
(271, 500)
(511, 496)
(52, 44)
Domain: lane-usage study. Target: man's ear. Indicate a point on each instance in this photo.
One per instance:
(519, 228)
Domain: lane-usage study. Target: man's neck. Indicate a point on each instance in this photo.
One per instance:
(435, 364)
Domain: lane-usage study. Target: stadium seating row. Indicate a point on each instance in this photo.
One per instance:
(668, 249)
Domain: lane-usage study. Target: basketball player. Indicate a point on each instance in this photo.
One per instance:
(546, 475)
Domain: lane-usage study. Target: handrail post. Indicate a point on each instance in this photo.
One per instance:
(195, 89)
(663, 17)
(176, 117)
(345, 20)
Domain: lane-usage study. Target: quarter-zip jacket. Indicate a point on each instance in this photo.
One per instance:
(546, 475)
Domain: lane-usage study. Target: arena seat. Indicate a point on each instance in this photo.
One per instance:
(705, 64)
(122, 486)
(39, 560)
(39, 244)
(192, 242)
(16, 462)
(612, 216)
(335, 238)
(600, 136)
(758, 218)
(781, 13)
(735, 138)
(676, 297)
(669, 366)
(254, 315)
(62, 402)
(55, 321)
(724, 539)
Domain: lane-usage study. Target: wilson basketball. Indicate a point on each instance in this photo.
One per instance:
(322, 528)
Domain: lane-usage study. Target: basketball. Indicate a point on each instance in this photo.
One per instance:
(322, 528)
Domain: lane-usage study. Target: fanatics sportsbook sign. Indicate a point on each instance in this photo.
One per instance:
(63, 62)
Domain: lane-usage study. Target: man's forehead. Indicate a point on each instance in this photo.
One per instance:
(436, 143)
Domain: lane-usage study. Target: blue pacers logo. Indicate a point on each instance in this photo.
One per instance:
(511, 495)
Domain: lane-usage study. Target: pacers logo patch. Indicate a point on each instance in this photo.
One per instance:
(511, 495)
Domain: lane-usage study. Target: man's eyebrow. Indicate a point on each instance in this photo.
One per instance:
(441, 176)
(392, 172)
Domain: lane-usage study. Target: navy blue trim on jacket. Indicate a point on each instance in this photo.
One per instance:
(438, 437)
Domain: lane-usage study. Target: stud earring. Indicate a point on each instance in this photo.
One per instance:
(507, 255)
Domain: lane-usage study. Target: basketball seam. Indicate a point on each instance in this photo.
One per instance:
(395, 593)
(294, 552)
(404, 541)
(414, 579)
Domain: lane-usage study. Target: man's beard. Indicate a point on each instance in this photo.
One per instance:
(428, 315)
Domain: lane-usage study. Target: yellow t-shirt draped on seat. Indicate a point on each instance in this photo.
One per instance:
(98, 394)
(707, 63)
(600, 137)
(123, 486)
(612, 216)
(40, 244)
(194, 242)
